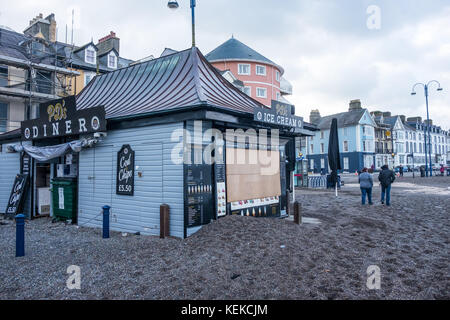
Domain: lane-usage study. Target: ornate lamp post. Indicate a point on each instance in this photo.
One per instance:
(425, 87)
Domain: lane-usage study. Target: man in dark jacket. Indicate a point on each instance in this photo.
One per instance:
(386, 177)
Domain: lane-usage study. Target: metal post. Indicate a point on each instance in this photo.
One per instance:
(106, 221)
(425, 150)
(163, 221)
(287, 202)
(429, 134)
(297, 212)
(20, 235)
(193, 22)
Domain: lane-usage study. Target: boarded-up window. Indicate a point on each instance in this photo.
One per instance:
(252, 174)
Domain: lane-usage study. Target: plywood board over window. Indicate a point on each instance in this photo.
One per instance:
(252, 174)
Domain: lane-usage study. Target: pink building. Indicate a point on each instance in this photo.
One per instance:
(262, 78)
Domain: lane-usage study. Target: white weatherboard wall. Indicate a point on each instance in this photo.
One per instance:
(161, 182)
(9, 167)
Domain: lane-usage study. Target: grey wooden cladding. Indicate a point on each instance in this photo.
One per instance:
(10, 166)
(161, 182)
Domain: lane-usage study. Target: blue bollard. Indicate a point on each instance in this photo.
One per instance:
(20, 235)
(106, 221)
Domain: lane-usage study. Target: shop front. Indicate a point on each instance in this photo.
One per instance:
(168, 131)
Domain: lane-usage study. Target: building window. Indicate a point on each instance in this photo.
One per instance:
(311, 164)
(3, 76)
(90, 56)
(322, 148)
(278, 96)
(3, 116)
(345, 146)
(247, 90)
(322, 163)
(312, 148)
(244, 69)
(112, 61)
(277, 75)
(261, 92)
(321, 134)
(260, 70)
(346, 167)
(88, 76)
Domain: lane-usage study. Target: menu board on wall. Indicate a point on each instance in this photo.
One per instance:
(125, 171)
(16, 198)
(199, 195)
(25, 163)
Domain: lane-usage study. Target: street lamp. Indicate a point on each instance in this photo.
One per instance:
(174, 5)
(413, 93)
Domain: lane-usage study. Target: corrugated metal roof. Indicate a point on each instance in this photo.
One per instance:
(180, 80)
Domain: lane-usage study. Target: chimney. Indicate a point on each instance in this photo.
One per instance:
(403, 118)
(386, 114)
(52, 27)
(355, 105)
(414, 119)
(426, 122)
(42, 27)
(108, 42)
(314, 116)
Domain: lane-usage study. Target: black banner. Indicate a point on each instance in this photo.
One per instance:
(125, 171)
(16, 199)
(61, 118)
(280, 114)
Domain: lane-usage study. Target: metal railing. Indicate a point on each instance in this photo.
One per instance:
(317, 182)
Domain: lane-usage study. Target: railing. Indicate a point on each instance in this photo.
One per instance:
(383, 151)
(317, 182)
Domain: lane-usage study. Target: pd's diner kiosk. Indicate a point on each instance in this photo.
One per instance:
(166, 131)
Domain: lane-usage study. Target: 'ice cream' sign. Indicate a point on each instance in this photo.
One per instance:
(279, 114)
(125, 171)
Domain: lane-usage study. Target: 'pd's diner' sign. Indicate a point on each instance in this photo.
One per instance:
(61, 118)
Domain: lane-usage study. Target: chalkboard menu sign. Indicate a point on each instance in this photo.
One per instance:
(199, 206)
(25, 164)
(16, 198)
(125, 171)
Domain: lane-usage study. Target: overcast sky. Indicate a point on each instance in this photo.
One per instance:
(329, 53)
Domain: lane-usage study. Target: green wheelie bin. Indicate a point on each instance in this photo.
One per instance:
(64, 199)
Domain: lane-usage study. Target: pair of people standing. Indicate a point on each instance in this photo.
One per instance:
(386, 178)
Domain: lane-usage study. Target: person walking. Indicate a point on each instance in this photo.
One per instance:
(442, 170)
(386, 178)
(366, 183)
(401, 171)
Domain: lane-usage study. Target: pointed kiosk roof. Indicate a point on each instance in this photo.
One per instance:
(174, 82)
(235, 50)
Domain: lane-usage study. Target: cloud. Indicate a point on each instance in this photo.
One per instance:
(325, 47)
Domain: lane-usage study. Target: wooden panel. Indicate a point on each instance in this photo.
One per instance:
(252, 174)
(161, 181)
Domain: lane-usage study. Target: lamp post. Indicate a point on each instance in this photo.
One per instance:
(425, 87)
(174, 5)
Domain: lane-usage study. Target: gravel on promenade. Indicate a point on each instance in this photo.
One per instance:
(251, 258)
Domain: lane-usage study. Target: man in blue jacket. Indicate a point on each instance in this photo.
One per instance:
(386, 178)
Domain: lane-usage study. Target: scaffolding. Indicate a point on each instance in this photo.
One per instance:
(34, 69)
